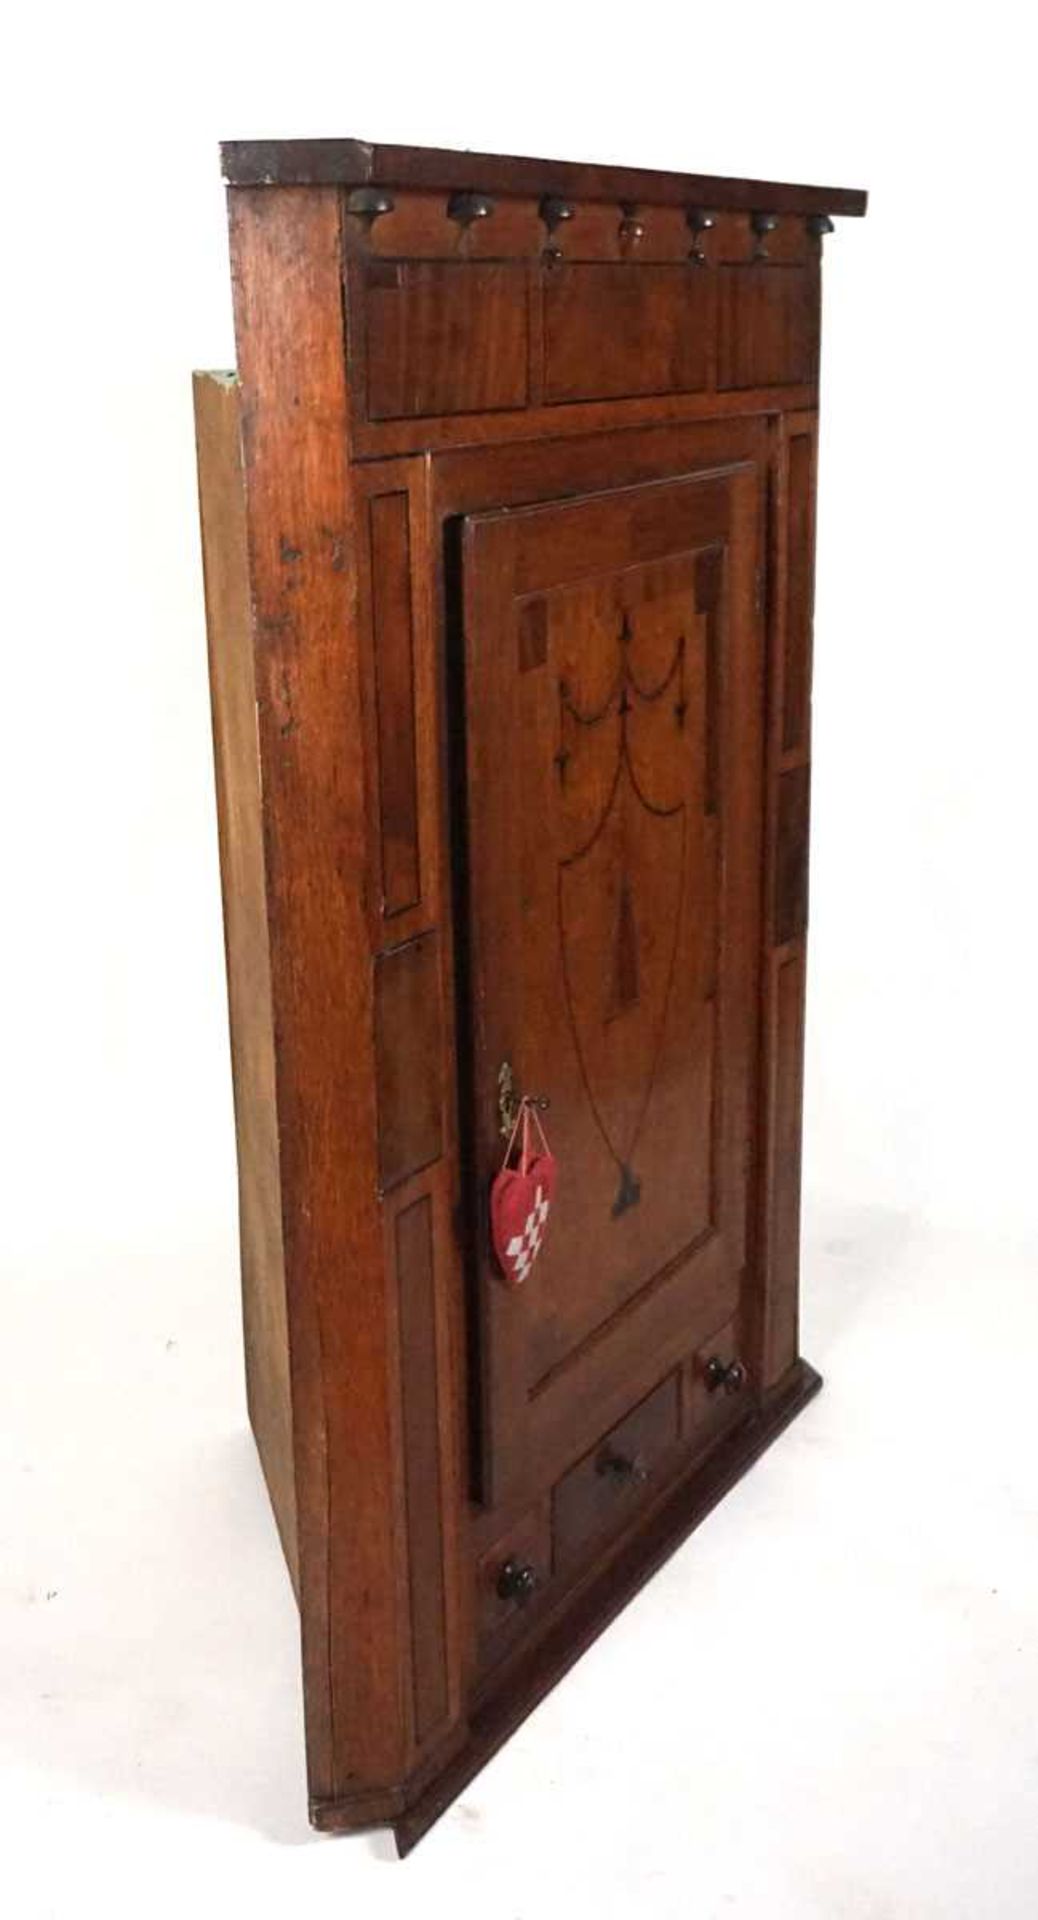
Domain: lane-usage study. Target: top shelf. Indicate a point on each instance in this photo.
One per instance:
(357, 163)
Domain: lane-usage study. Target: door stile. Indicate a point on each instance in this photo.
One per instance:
(492, 846)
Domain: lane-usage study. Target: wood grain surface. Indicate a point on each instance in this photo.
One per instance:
(508, 526)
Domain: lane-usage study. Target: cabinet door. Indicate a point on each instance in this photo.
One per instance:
(614, 727)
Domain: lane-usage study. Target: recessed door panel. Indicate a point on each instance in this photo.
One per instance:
(614, 701)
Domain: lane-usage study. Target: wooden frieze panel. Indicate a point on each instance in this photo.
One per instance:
(768, 335)
(473, 304)
(624, 328)
(444, 337)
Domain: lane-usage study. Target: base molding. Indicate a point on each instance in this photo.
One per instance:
(413, 1806)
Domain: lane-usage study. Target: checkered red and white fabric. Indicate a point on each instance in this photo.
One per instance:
(520, 1201)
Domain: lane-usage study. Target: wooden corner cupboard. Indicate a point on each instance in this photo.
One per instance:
(508, 521)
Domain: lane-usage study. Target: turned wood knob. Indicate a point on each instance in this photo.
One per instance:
(730, 1376)
(555, 211)
(467, 207)
(368, 204)
(516, 1581)
(632, 227)
(762, 224)
(699, 221)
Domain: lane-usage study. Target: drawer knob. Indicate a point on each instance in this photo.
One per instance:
(728, 1375)
(516, 1581)
(625, 1468)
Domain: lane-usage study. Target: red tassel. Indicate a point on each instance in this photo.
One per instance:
(521, 1199)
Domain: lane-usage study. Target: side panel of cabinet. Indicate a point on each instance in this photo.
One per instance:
(233, 698)
(409, 921)
(351, 815)
(786, 867)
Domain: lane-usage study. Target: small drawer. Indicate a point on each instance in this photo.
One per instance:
(604, 1488)
(718, 1388)
(510, 1579)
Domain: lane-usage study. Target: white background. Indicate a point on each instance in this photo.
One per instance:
(826, 1704)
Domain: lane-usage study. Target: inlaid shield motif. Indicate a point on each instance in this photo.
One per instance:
(620, 901)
